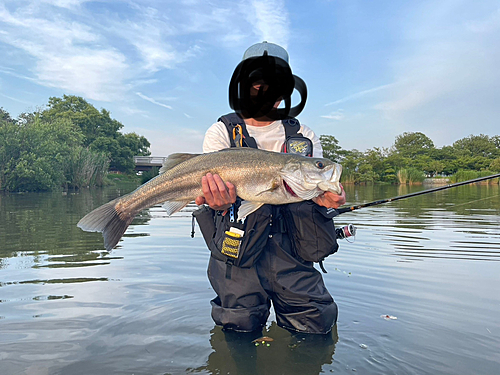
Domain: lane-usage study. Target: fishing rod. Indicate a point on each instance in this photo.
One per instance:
(376, 203)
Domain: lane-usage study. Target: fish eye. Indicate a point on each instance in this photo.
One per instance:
(320, 164)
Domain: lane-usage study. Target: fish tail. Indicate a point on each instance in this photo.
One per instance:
(107, 220)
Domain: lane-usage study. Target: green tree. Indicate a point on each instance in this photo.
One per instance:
(10, 145)
(381, 169)
(367, 174)
(496, 140)
(138, 144)
(331, 148)
(495, 165)
(5, 117)
(477, 145)
(434, 167)
(32, 154)
(412, 144)
(93, 123)
(100, 132)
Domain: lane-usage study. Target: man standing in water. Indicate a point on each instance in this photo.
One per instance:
(266, 258)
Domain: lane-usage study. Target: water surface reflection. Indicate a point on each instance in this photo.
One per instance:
(67, 306)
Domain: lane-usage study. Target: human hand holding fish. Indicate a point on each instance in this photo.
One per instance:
(219, 195)
(260, 177)
(331, 200)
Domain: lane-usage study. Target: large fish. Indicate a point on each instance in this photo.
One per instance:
(261, 177)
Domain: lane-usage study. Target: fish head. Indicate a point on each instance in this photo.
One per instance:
(308, 177)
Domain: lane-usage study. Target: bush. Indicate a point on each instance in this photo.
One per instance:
(410, 176)
(465, 175)
(84, 168)
(41, 156)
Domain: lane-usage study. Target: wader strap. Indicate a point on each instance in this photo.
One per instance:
(322, 266)
(192, 226)
(229, 266)
(292, 126)
(238, 133)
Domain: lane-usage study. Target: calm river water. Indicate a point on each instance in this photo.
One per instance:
(67, 306)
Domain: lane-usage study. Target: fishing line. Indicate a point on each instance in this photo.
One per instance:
(477, 200)
(381, 201)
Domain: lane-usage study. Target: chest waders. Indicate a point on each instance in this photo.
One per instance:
(260, 260)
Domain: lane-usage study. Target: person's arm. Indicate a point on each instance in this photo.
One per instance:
(217, 194)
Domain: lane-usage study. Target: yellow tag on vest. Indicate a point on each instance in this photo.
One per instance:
(232, 242)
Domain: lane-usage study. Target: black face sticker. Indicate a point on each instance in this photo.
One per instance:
(259, 84)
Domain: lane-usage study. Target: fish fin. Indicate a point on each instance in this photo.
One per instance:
(108, 221)
(248, 207)
(175, 159)
(174, 206)
(273, 185)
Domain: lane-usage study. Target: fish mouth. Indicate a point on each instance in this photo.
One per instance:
(289, 189)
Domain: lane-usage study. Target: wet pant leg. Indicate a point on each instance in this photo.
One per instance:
(241, 304)
(299, 295)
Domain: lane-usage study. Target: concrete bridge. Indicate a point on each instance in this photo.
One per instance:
(146, 163)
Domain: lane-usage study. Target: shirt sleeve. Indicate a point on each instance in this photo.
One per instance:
(216, 138)
(317, 148)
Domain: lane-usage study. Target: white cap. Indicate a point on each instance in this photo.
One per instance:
(272, 50)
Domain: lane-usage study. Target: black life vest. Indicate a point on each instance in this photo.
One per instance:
(295, 142)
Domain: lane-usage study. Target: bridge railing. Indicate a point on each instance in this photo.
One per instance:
(149, 160)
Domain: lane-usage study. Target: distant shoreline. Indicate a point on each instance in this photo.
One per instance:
(436, 181)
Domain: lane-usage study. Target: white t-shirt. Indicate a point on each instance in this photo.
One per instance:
(269, 137)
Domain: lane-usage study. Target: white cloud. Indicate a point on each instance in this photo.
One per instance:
(441, 70)
(361, 94)
(448, 78)
(64, 3)
(151, 100)
(12, 73)
(104, 54)
(487, 24)
(149, 32)
(14, 99)
(336, 115)
(96, 74)
(63, 56)
(270, 21)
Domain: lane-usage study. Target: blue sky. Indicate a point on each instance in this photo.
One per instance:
(374, 69)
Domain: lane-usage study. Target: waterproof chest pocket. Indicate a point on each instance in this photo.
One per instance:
(312, 230)
(241, 243)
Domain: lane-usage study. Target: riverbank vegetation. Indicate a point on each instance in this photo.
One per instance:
(69, 144)
(413, 157)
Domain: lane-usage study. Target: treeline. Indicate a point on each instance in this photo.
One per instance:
(70, 144)
(413, 157)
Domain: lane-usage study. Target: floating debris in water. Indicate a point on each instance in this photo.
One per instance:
(388, 317)
(344, 272)
(263, 340)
